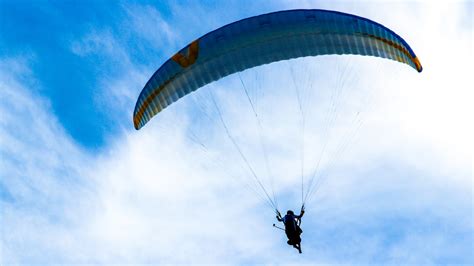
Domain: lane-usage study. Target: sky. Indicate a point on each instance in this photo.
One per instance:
(79, 185)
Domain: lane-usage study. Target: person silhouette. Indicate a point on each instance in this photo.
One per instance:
(293, 230)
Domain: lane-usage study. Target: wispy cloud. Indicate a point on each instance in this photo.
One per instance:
(42, 171)
(402, 192)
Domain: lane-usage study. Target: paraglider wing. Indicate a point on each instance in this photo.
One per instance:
(265, 39)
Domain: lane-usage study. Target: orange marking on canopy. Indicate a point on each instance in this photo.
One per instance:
(399, 47)
(184, 61)
(138, 116)
(190, 58)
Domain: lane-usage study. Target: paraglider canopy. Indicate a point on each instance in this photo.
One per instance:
(265, 39)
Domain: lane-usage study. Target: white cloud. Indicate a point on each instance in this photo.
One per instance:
(137, 202)
(43, 188)
(148, 23)
(400, 194)
(100, 43)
